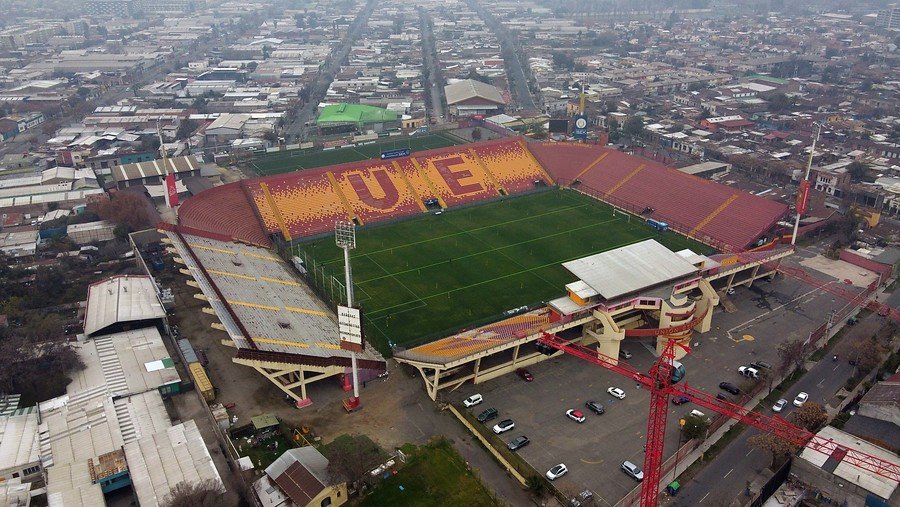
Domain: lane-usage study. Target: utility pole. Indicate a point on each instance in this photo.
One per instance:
(802, 190)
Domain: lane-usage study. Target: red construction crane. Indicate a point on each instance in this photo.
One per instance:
(659, 382)
(837, 290)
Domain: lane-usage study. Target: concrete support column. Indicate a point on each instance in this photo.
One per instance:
(475, 372)
(753, 275)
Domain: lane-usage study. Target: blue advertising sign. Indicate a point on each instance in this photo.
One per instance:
(581, 127)
(394, 154)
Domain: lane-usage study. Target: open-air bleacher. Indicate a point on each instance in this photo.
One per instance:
(706, 210)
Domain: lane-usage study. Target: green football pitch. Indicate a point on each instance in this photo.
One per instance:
(293, 160)
(426, 277)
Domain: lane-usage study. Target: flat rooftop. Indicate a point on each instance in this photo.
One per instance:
(630, 269)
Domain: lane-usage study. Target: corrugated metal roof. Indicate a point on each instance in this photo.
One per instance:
(469, 89)
(70, 485)
(121, 299)
(19, 443)
(158, 462)
(629, 269)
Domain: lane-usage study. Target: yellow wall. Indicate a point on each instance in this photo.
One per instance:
(337, 493)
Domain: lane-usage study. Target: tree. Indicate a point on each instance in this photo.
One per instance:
(476, 134)
(858, 171)
(186, 128)
(125, 208)
(352, 463)
(694, 427)
(206, 493)
(780, 102)
(868, 354)
(811, 416)
(792, 353)
(634, 126)
(779, 448)
(536, 485)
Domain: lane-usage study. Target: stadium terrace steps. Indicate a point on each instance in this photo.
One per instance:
(691, 205)
(224, 210)
(377, 190)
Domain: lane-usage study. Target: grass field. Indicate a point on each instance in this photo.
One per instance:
(435, 475)
(435, 274)
(287, 161)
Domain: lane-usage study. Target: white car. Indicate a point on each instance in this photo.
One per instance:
(748, 371)
(779, 405)
(800, 399)
(504, 426)
(615, 392)
(473, 400)
(575, 415)
(557, 472)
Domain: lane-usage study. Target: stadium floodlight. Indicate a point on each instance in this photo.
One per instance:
(801, 198)
(345, 234)
(345, 238)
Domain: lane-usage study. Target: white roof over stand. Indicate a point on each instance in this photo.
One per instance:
(121, 299)
(629, 269)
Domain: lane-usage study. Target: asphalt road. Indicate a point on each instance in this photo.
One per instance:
(432, 68)
(515, 75)
(296, 130)
(725, 478)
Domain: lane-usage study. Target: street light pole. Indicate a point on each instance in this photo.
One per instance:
(812, 151)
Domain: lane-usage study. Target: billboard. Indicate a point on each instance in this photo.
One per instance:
(559, 126)
(394, 154)
(350, 328)
(581, 127)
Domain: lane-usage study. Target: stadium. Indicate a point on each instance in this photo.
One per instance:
(464, 254)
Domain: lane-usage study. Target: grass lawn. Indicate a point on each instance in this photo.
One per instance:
(435, 274)
(262, 455)
(292, 160)
(435, 475)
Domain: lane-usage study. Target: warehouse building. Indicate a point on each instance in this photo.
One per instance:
(470, 97)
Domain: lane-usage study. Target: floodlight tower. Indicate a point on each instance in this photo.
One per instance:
(345, 238)
(803, 191)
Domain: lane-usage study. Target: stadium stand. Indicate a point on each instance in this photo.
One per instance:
(309, 202)
(515, 169)
(479, 339)
(225, 211)
(710, 212)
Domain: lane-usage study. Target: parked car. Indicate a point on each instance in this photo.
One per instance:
(615, 392)
(800, 399)
(731, 388)
(633, 470)
(525, 374)
(473, 400)
(504, 426)
(575, 415)
(748, 371)
(487, 415)
(779, 405)
(557, 471)
(624, 354)
(518, 443)
(730, 291)
(594, 407)
(723, 397)
(761, 364)
(680, 400)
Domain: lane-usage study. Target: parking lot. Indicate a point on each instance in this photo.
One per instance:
(768, 313)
